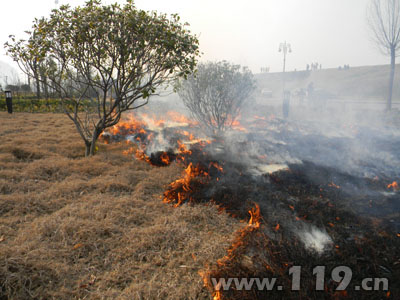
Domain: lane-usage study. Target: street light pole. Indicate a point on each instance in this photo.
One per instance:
(285, 48)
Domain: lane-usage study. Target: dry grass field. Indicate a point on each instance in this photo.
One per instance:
(95, 228)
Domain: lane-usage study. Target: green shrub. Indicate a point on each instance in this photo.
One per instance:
(31, 104)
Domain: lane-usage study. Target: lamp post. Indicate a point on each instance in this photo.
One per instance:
(9, 101)
(285, 48)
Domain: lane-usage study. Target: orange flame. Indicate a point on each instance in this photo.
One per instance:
(253, 224)
(394, 185)
(142, 156)
(136, 125)
(177, 117)
(255, 216)
(237, 126)
(216, 165)
(332, 184)
(165, 158)
(131, 125)
(182, 148)
(179, 190)
(207, 283)
(129, 151)
(217, 295)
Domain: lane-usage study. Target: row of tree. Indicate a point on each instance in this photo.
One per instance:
(25, 88)
(94, 51)
(103, 60)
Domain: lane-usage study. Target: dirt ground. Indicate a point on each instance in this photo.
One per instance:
(95, 228)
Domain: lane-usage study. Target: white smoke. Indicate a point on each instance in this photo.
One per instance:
(315, 239)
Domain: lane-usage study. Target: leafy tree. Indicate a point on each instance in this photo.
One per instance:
(384, 23)
(216, 93)
(106, 50)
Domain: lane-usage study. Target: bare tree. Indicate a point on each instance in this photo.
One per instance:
(384, 21)
(216, 93)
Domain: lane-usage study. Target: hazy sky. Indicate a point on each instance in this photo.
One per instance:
(331, 32)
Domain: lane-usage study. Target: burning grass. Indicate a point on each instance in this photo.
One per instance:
(304, 214)
(96, 228)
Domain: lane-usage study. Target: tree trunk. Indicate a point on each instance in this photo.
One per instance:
(87, 150)
(37, 87)
(391, 79)
(45, 88)
(91, 147)
(46, 92)
(33, 102)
